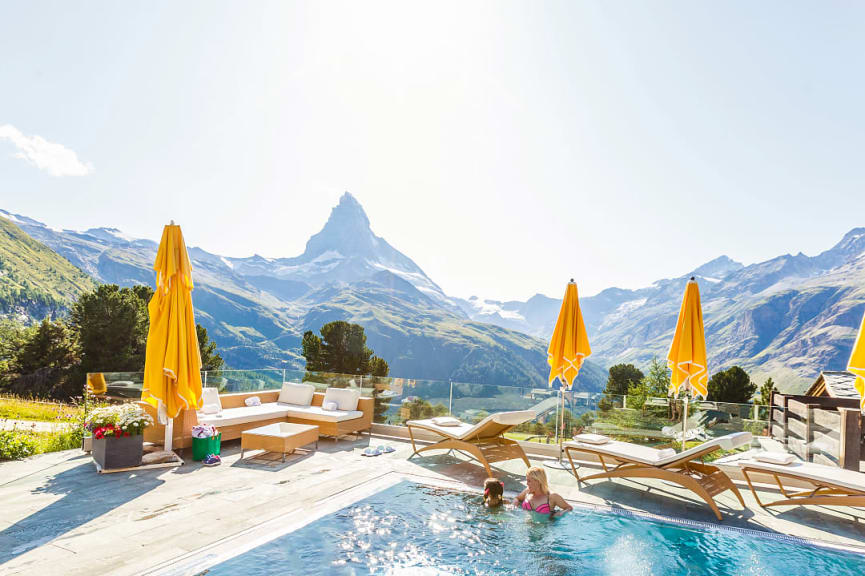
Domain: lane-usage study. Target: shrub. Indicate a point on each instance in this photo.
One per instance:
(16, 444)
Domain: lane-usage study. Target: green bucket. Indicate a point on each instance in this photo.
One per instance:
(201, 447)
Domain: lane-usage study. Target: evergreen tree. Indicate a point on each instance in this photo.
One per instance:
(52, 346)
(732, 385)
(46, 363)
(766, 391)
(341, 349)
(210, 358)
(621, 377)
(111, 323)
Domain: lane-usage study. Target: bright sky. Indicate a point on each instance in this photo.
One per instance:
(504, 146)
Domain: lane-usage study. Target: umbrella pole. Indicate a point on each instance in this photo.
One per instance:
(560, 436)
(685, 417)
(169, 434)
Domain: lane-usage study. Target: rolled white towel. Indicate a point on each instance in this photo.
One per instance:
(330, 406)
(446, 421)
(781, 458)
(592, 438)
(666, 453)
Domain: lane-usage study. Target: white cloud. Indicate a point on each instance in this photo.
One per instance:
(56, 159)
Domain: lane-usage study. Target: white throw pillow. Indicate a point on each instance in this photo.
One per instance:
(345, 398)
(592, 438)
(210, 400)
(297, 394)
(330, 406)
(253, 401)
(446, 421)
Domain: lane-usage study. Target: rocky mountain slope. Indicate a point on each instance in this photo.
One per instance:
(257, 308)
(789, 317)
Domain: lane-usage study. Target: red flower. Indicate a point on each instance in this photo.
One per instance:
(126, 433)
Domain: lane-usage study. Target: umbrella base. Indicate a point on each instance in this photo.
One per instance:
(559, 465)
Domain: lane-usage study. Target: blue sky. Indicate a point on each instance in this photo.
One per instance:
(504, 146)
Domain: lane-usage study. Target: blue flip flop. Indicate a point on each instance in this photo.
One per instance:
(384, 449)
(371, 452)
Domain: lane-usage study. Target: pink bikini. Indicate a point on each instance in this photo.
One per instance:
(542, 509)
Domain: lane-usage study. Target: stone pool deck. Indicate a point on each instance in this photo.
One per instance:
(58, 516)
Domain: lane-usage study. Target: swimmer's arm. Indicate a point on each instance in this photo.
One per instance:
(520, 497)
(560, 502)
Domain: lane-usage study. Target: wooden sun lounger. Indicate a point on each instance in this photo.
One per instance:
(483, 441)
(683, 468)
(831, 486)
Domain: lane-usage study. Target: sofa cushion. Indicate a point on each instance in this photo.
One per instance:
(296, 394)
(345, 398)
(244, 414)
(320, 414)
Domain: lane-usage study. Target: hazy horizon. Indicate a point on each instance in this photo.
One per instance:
(503, 146)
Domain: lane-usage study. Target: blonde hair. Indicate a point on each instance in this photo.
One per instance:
(537, 473)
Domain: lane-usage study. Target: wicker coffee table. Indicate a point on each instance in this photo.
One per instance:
(281, 437)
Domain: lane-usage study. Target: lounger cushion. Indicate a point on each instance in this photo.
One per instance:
(272, 410)
(467, 431)
(346, 398)
(322, 415)
(296, 394)
(655, 457)
(816, 472)
(244, 414)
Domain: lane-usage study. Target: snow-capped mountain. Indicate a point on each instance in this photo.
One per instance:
(257, 308)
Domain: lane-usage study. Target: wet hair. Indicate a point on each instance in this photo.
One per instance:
(538, 474)
(493, 491)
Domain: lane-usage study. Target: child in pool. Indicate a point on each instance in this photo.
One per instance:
(537, 496)
(493, 492)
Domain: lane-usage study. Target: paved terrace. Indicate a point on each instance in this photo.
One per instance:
(57, 516)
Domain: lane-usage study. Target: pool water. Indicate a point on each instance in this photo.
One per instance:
(416, 529)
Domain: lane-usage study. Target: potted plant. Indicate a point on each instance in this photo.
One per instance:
(118, 440)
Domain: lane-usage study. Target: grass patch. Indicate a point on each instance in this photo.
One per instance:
(15, 408)
(17, 444)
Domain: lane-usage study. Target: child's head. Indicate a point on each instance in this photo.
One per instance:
(536, 479)
(493, 491)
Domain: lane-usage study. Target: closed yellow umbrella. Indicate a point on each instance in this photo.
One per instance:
(172, 368)
(687, 356)
(856, 365)
(569, 347)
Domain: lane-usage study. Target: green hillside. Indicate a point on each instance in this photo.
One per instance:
(421, 341)
(34, 280)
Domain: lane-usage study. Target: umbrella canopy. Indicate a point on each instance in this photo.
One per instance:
(687, 356)
(172, 368)
(856, 365)
(569, 346)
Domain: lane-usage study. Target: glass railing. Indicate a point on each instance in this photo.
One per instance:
(652, 421)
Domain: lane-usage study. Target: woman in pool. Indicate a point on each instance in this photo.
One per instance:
(537, 497)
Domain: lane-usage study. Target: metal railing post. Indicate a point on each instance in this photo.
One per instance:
(451, 398)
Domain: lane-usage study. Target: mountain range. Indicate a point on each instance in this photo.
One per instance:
(257, 308)
(789, 317)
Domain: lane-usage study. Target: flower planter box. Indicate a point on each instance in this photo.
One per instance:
(122, 452)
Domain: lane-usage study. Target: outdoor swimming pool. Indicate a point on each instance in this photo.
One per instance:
(416, 529)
